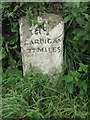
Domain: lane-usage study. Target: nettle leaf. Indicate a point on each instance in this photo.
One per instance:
(80, 20)
(83, 67)
(77, 4)
(70, 87)
(86, 15)
(68, 78)
(74, 12)
(67, 18)
(76, 30)
(76, 79)
(86, 37)
(79, 34)
(83, 9)
(74, 73)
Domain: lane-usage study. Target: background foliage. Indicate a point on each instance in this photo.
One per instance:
(35, 96)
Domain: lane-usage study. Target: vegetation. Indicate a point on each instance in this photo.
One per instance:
(35, 96)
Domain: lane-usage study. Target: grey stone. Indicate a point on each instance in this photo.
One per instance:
(42, 43)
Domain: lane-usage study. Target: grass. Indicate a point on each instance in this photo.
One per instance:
(35, 96)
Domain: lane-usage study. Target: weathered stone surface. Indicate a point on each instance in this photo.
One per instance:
(42, 44)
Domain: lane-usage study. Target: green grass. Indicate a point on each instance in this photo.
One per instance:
(35, 96)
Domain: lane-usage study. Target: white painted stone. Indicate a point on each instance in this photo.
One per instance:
(42, 47)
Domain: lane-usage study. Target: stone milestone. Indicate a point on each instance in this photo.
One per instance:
(42, 43)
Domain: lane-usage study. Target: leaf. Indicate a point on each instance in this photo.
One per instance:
(70, 87)
(16, 8)
(85, 87)
(77, 4)
(29, 114)
(80, 20)
(4, 5)
(83, 67)
(67, 18)
(69, 4)
(74, 12)
(15, 47)
(68, 78)
(83, 9)
(86, 15)
(34, 114)
(82, 93)
(76, 30)
(76, 79)
(74, 73)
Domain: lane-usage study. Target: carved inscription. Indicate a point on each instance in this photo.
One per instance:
(42, 44)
